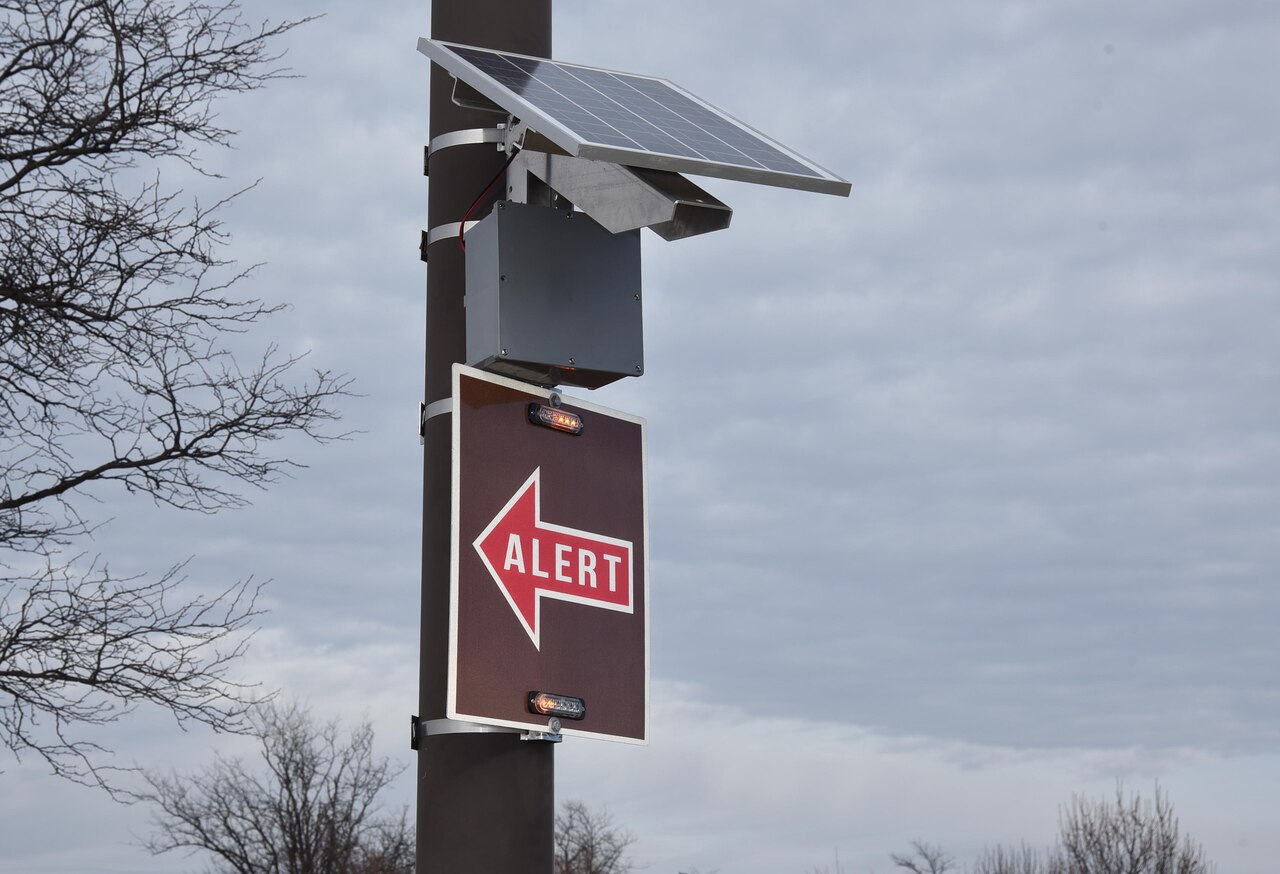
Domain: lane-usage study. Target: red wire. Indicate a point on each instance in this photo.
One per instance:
(462, 225)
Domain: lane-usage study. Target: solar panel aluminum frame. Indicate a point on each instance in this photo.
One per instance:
(824, 182)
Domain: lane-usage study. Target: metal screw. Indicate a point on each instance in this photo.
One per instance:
(636, 296)
(504, 352)
(502, 278)
(639, 369)
(573, 361)
(553, 725)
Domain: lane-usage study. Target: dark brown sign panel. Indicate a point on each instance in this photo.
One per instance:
(550, 560)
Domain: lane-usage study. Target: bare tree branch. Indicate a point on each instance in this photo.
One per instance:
(588, 842)
(86, 650)
(1019, 860)
(116, 363)
(924, 858)
(94, 85)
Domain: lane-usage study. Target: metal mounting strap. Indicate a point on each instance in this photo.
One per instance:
(447, 230)
(467, 137)
(457, 726)
(437, 408)
(439, 232)
(442, 407)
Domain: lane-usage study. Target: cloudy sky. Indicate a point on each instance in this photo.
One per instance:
(963, 490)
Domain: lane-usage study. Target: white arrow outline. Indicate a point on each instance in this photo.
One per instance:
(535, 479)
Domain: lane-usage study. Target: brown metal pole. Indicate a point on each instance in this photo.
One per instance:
(486, 802)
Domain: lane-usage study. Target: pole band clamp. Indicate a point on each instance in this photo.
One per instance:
(442, 407)
(426, 412)
(432, 727)
(446, 230)
(439, 232)
(467, 137)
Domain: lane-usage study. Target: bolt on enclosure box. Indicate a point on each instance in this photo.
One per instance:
(552, 297)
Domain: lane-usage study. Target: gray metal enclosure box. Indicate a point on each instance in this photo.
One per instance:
(553, 298)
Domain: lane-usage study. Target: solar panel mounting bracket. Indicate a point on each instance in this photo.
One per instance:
(469, 98)
(517, 134)
(521, 136)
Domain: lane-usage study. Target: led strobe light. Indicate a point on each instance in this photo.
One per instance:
(551, 417)
(550, 704)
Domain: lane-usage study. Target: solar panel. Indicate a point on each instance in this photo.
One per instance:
(624, 118)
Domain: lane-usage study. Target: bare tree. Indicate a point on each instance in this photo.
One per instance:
(924, 859)
(1126, 835)
(115, 312)
(389, 846)
(1018, 860)
(312, 808)
(588, 842)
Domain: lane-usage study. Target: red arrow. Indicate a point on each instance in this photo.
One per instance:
(531, 560)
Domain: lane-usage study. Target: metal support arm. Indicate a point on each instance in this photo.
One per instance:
(625, 198)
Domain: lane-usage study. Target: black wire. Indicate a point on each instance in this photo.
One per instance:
(462, 225)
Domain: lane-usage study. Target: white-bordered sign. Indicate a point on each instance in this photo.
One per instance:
(549, 561)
